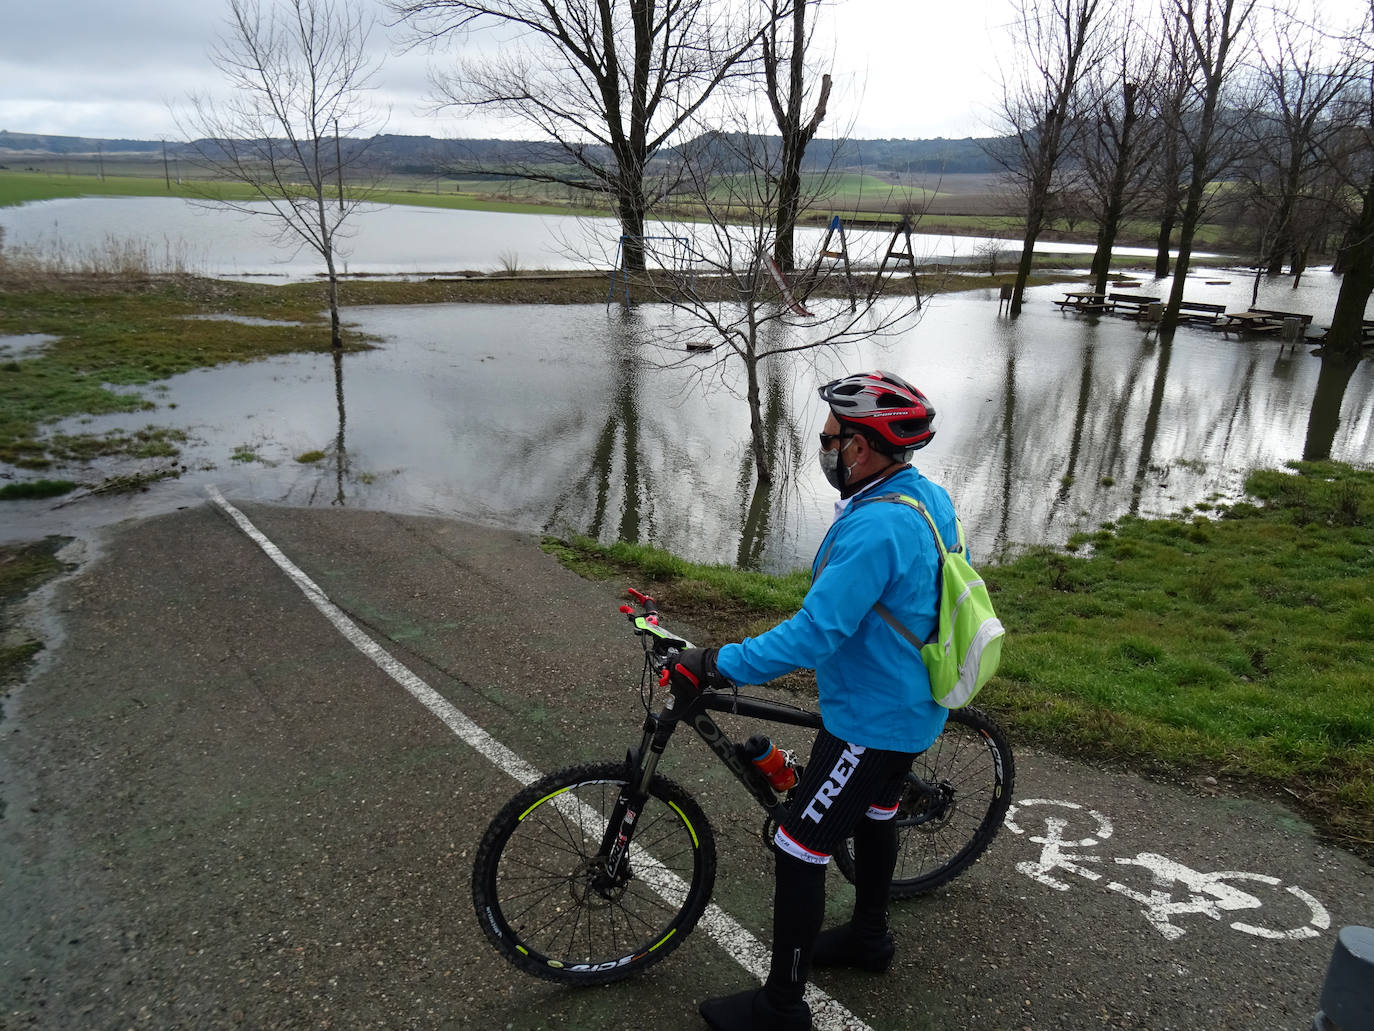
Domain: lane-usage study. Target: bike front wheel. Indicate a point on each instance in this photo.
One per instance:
(542, 894)
(940, 835)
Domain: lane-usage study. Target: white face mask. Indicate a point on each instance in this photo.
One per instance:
(830, 466)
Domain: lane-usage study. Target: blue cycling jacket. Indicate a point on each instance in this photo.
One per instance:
(874, 690)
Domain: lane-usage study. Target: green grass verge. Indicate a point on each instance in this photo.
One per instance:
(25, 187)
(117, 334)
(1236, 645)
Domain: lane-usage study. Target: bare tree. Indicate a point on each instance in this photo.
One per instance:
(1295, 127)
(785, 46)
(299, 79)
(1356, 257)
(610, 84)
(1061, 44)
(1118, 150)
(736, 304)
(1169, 181)
(1210, 36)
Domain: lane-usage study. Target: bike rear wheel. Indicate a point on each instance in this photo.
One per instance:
(540, 888)
(971, 767)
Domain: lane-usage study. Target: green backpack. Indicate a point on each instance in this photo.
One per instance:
(963, 653)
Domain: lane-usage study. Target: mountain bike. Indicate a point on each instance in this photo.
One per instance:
(599, 870)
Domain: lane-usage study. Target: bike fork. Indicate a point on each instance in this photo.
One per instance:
(640, 764)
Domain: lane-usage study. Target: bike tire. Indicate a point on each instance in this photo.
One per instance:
(532, 879)
(972, 762)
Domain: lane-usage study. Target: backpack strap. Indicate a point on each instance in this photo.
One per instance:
(882, 610)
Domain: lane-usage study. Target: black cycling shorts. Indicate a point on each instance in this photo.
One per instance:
(842, 783)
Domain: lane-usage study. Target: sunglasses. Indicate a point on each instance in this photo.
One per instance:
(829, 440)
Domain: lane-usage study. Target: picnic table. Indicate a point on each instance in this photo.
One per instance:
(1082, 301)
(1261, 320)
(1250, 322)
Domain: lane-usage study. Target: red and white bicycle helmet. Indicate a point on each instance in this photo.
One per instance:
(896, 416)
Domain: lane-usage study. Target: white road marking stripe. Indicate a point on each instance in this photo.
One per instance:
(827, 1014)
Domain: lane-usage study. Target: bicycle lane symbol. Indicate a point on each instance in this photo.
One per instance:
(1210, 894)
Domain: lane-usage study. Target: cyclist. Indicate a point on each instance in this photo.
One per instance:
(875, 701)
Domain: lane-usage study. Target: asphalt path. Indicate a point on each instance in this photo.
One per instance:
(219, 812)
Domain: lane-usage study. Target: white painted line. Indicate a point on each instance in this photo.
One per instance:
(826, 1013)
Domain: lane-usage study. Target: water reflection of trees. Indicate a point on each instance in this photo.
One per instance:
(340, 453)
(783, 442)
(636, 483)
(620, 432)
(1069, 450)
(999, 489)
(1324, 418)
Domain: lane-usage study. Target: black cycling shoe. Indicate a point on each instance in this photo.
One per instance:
(753, 1010)
(846, 947)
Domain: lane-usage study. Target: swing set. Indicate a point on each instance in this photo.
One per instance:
(899, 250)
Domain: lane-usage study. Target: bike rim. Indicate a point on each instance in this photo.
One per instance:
(554, 899)
(964, 762)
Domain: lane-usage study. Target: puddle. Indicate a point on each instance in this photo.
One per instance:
(245, 320)
(24, 345)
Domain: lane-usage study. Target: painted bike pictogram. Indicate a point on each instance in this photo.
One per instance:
(1069, 847)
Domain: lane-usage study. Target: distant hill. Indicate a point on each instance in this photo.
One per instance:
(425, 154)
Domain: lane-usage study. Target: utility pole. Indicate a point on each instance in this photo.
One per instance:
(338, 163)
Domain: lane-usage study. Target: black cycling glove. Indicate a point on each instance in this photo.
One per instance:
(697, 667)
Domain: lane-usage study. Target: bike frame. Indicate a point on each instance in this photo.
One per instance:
(691, 705)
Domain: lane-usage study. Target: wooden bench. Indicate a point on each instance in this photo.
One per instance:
(1132, 305)
(1200, 311)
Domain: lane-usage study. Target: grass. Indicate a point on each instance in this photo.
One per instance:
(23, 569)
(853, 194)
(117, 334)
(1236, 646)
(25, 187)
(34, 489)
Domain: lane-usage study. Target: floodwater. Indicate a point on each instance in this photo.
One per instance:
(392, 240)
(582, 419)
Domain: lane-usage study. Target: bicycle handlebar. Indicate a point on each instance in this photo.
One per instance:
(657, 639)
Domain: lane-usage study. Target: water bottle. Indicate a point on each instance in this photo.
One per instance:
(771, 763)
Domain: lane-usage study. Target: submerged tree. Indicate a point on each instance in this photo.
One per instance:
(299, 80)
(1210, 37)
(610, 84)
(1297, 124)
(736, 312)
(1061, 43)
(1356, 257)
(1117, 152)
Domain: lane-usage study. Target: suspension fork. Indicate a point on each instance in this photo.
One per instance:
(640, 764)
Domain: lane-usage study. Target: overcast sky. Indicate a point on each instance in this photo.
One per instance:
(903, 68)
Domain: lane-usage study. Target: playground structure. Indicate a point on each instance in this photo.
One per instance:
(833, 252)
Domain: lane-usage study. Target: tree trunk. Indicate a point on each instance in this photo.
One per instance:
(1166, 231)
(1357, 260)
(1035, 217)
(1192, 212)
(327, 252)
(630, 208)
(789, 199)
(1106, 240)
